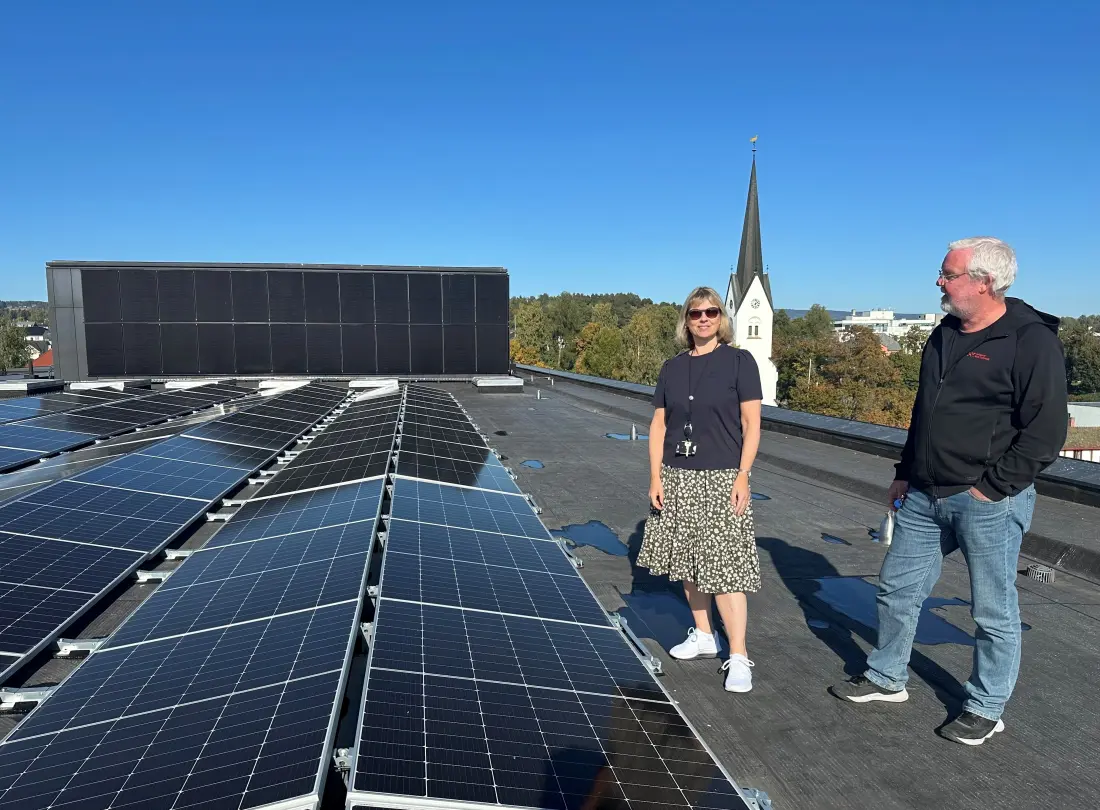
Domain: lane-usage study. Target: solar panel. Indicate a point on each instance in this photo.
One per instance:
(164, 476)
(10, 457)
(77, 423)
(443, 434)
(426, 502)
(86, 513)
(466, 644)
(430, 447)
(498, 589)
(299, 512)
(42, 563)
(27, 613)
(467, 545)
(328, 474)
(443, 419)
(19, 436)
(182, 448)
(242, 436)
(157, 675)
(457, 471)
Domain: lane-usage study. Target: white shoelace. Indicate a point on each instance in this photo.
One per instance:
(745, 662)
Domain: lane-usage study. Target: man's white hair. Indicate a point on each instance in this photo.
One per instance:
(991, 259)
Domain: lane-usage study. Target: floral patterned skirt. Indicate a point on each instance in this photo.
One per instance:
(699, 537)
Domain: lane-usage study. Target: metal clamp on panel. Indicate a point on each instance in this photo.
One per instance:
(178, 553)
(343, 758)
(538, 509)
(151, 576)
(233, 502)
(652, 662)
(219, 517)
(756, 799)
(77, 647)
(367, 630)
(12, 699)
(573, 558)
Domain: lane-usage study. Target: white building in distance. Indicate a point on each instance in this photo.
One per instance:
(749, 296)
(888, 322)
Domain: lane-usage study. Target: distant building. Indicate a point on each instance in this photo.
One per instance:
(749, 296)
(888, 322)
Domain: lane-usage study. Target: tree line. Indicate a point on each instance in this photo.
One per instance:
(623, 337)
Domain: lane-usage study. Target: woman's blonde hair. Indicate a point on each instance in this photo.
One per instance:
(703, 295)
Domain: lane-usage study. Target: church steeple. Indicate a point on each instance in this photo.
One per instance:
(750, 261)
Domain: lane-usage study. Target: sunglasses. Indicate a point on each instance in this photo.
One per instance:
(711, 312)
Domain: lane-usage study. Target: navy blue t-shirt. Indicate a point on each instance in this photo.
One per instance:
(721, 381)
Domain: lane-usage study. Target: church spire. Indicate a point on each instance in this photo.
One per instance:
(750, 261)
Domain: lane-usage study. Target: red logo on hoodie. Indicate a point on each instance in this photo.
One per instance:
(978, 355)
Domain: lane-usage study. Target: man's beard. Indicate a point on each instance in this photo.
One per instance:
(948, 307)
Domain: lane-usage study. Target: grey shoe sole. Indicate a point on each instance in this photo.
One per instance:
(883, 697)
(979, 740)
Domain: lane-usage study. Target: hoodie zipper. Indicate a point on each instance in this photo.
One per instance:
(944, 351)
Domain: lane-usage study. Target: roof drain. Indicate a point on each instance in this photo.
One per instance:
(1042, 573)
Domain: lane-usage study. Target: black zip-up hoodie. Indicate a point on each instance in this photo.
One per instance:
(994, 418)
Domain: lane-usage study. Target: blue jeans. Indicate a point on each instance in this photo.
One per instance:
(989, 534)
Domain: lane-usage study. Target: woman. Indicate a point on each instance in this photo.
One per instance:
(702, 443)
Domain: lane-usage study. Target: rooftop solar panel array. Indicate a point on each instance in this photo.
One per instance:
(58, 422)
(64, 545)
(494, 675)
(222, 689)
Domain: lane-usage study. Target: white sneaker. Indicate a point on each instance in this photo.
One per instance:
(738, 673)
(697, 645)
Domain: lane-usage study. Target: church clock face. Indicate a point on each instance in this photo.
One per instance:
(755, 303)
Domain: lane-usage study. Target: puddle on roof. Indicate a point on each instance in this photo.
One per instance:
(832, 538)
(533, 463)
(625, 437)
(758, 496)
(595, 534)
(663, 616)
(855, 598)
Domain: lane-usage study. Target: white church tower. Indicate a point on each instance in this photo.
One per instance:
(749, 295)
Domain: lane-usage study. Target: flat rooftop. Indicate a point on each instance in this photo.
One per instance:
(810, 625)
(813, 621)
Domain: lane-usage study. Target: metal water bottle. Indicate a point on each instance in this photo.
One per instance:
(886, 530)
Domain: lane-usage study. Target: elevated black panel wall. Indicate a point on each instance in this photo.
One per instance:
(173, 320)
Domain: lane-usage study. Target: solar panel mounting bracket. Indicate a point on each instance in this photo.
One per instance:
(151, 576)
(574, 559)
(233, 502)
(11, 698)
(756, 799)
(343, 759)
(219, 517)
(651, 662)
(68, 646)
(178, 553)
(367, 629)
(531, 500)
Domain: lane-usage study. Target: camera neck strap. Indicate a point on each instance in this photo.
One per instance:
(693, 386)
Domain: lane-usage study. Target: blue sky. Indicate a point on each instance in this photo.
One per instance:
(591, 146)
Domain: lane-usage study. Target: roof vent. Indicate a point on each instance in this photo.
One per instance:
(1040, 572)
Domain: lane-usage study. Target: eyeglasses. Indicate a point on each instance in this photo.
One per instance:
(711, 312)
(948, 277)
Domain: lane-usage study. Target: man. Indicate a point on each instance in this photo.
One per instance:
(990, 415)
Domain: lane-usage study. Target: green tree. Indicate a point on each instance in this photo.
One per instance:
(1082, 349)
(14, 351)
(532, 334)
(912, 342)
(604, 313)
(600, 351)
(648, 341)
